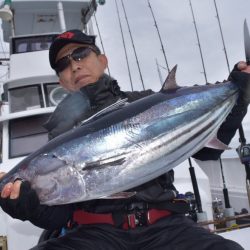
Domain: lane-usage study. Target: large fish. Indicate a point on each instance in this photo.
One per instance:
(128, 145)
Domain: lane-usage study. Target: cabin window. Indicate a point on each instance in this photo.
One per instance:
(27, 135)
(54, 94)
(29, 44)
(25, 98)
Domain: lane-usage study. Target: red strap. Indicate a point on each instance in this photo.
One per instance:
(83, 217)
(155, 214)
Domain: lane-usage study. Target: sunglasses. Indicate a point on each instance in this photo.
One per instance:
(76, 55)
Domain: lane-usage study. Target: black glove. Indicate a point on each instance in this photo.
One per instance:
(24, 206)
(243, 81)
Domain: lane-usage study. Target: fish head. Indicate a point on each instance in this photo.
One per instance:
(55, 180)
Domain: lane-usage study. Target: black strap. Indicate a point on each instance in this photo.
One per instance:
(176, 206)
(118, 217)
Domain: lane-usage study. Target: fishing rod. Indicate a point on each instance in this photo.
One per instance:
(244, 154)
(124, 45)
(241, 131)
(244, 149)
(198, 40)
(132, 40)
(225, 190)
(159, 71)
(222, 37)
(200, 213)
(195, 187)
(99, 34)
(159, 35)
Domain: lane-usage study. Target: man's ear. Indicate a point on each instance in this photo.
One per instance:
(104, 60)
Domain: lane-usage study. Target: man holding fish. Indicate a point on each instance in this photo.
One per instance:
(147, 216)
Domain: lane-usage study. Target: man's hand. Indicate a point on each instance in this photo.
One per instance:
(243, 67)
(18, 199)
(11, 190)
(241, 75)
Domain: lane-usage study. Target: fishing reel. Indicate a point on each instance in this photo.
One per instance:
(192, 213)
(244, 153)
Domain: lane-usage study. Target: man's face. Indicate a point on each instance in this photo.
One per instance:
(83, 72)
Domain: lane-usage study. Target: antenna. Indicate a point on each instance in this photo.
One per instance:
(138, 65)
(124, 45)
(198, 39)
(222, 37)
(159, 35)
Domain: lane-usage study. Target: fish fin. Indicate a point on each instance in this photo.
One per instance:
(215, 143)
(119, 104)
(170, 82)
(121, 195)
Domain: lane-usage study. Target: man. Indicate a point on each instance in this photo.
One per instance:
(151, 219)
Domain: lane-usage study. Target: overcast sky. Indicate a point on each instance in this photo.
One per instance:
(175, 23)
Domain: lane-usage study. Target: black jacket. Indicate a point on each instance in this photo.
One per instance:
(101, 94)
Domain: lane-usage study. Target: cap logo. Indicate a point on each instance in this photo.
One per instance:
(67, 35)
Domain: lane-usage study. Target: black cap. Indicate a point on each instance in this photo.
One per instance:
(70, 36)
